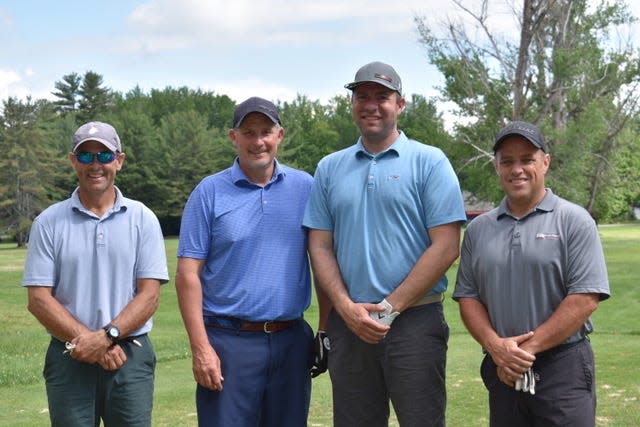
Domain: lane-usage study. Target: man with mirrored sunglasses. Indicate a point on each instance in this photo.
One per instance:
(104, 157)
(93, 272)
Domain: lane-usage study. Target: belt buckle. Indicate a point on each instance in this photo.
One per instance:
(265, 327)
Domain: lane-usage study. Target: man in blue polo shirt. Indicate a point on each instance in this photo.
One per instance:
(384, 218)
(531, 273)
(243, 282)
(93, 272)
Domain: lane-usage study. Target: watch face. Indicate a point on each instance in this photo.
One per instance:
(113, 332)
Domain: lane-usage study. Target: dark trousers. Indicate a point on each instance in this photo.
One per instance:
(407, 367)
(81, 395)
(565, 391)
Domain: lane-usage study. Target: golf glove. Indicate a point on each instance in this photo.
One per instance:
(321, 347)
(527, 383)
(385, 317)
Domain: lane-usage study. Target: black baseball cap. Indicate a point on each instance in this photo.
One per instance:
(526, 130)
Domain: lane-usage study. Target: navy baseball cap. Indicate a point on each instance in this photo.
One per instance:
(255, 105)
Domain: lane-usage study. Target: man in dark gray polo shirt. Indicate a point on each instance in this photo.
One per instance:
(531, 273)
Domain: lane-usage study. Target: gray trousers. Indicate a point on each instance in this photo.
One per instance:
(406, 368)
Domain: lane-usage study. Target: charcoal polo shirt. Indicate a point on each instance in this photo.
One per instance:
(522, 268)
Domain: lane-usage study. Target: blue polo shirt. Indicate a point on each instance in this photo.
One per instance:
(253, 243)
(522, 268)
(93, 263)
(379, 208)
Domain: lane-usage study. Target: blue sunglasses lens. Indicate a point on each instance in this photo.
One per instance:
(103, 157)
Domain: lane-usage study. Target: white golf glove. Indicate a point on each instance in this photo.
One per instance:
(385, 317)
(527, 383)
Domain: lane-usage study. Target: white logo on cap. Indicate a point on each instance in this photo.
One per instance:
(93, 130)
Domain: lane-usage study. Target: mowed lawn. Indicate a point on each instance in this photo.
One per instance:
(616, 342)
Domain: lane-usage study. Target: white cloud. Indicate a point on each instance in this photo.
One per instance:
(9, 80)
(239, 90)
(168, 24)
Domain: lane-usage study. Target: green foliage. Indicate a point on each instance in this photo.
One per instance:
(309, 136)
(25, 133)
(566, 73)
(68, 92)
(94, 98)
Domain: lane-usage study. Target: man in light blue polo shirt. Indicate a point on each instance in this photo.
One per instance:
(384, 218)
(93, 272)
(531, 273)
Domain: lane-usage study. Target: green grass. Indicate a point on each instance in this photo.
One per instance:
(616, 342)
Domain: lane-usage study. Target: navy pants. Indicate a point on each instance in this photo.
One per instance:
(267, 382)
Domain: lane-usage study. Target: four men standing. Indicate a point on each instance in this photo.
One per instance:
(381, 222)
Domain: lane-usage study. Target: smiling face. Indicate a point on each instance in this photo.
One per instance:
(521, 168)
(256, 141)
(96, 179)
(375, 110)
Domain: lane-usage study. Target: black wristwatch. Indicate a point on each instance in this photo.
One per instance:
(113, 333)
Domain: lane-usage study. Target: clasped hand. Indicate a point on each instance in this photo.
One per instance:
(513, 362)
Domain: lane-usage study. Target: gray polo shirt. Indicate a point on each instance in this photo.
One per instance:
(521, 269)
(93, 263)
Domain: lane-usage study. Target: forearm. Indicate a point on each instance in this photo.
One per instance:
(476, 319)
(430, 267)
(140, 309)
(326, 269)
(506, 352)
(52, 315)
(566, 320)
(189, 291)
(324, 305)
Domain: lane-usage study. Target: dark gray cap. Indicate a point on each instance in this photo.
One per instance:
(255, 105)
(526, 130)
(377, 72)
(104, 133)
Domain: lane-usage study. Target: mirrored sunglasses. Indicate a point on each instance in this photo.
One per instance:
(104, 157)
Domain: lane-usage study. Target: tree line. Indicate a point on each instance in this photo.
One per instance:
(563, 73)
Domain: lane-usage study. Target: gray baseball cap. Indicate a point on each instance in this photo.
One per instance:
(526, 130)
(377, 72)
(104, 133)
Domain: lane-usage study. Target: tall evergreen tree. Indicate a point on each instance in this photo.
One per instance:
(95, 99)
(67, 93)
(29, 164)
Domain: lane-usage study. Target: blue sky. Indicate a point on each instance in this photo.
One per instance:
(270, 48)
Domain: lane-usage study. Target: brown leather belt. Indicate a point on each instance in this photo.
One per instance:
(268, 327)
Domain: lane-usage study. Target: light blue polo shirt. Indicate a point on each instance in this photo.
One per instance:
(522, 268)
(253, 243)
(93, 263)
(379, 208)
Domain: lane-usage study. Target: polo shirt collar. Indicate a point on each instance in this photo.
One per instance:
(397, 147)
(238, 176)
(546, 205)
(121, 202)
